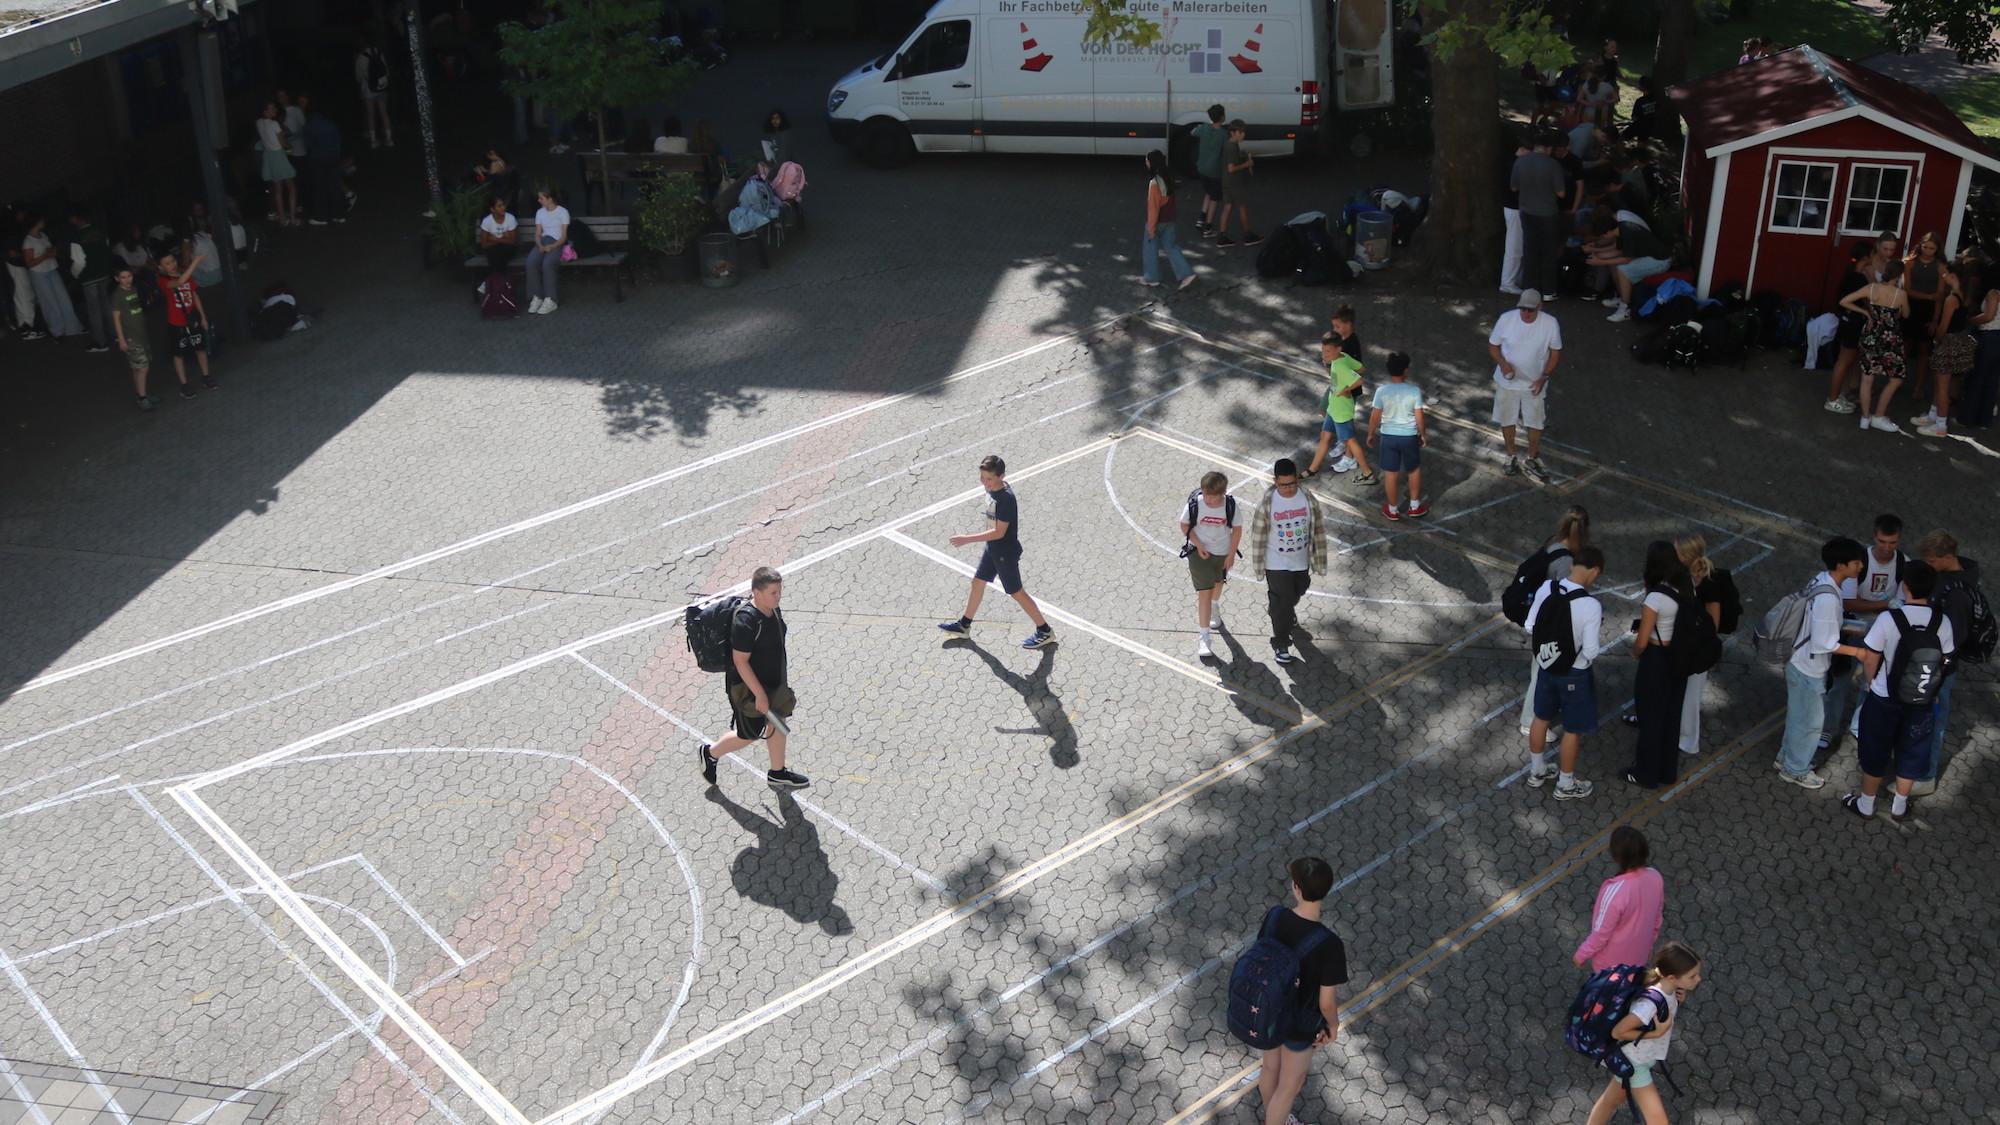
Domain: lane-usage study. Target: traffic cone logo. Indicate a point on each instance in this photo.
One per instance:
(1035, 60)
(1246, 62)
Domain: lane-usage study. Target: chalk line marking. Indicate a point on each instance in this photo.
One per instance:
(20, 982)
(20, 1091)
(518, 526)
(912, 870)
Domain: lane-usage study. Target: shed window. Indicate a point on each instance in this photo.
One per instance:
(1803, 199)
(1876, 194)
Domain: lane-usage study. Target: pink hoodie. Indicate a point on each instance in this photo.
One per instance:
(1626, 921)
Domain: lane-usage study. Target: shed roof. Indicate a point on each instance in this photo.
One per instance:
(1802, 88)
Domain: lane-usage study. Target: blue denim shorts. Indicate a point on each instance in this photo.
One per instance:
(1342, 431)
(1400, 453)
(1570, 698)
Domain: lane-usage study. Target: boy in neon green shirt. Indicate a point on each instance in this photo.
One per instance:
(1343, 373)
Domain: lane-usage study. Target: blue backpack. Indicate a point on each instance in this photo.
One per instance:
(1264, 986)
(1603, 1000)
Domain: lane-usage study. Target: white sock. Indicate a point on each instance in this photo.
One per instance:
(1866, 804)
(1565, 780)
(1900, 805)
(1539, 763)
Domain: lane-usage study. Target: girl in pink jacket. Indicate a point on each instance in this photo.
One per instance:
(1631, 906)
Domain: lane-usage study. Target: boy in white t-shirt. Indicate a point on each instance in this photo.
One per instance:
(1287, 547)
(1813, 651)
(1868, 593)
(1895, 725)
(1526, 344)
(1211, 536)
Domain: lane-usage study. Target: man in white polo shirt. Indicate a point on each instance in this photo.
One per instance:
(1526, 345)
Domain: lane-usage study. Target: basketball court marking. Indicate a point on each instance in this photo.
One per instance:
(1238, 1086)
(721, 457)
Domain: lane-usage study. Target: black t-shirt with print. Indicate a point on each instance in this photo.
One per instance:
(764, 639)
(1324, 966)
(1000, 505)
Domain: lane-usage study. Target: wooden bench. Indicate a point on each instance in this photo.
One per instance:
(630, 167)
(613, 232)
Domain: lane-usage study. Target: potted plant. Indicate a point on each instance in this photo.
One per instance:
(670, 213)
(454, 228)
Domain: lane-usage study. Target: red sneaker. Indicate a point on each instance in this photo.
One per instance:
(1419, 508)
(1392, 513)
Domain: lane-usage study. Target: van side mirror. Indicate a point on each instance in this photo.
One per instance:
(896, 69)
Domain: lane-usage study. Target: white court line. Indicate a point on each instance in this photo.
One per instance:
(560, 599)
(403, 904)
(61, 798)
(518, 526)
(20, 1092)
(911, 869)
(20, 982)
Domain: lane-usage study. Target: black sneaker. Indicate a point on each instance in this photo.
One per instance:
(210, 383)
(1536, 469)
(959, 628)
(1283, 655)
(1252, 239)
(786, 779)
(187, 391)
(707, 763)
(146, 402)
(1224, 240)
(1852, 803)
(1909, 810)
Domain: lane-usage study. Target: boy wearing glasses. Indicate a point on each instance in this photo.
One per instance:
(1288, 547)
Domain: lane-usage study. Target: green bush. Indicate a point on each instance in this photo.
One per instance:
(455, 227)
(670, 213)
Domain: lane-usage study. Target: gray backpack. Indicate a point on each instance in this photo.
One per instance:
(1785, 627)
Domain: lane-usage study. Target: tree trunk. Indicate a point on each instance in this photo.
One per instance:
(1670, 60)
(1463, 232)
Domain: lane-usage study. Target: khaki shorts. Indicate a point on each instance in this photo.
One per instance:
(1519, 408)
(1207, 573)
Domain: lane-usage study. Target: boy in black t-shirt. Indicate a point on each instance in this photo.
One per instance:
(754, 679)
(1283, 1072)
(1001, 557)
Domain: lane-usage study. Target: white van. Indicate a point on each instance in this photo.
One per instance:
(1016, 76)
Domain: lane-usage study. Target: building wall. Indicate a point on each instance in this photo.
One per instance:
(1809, 266)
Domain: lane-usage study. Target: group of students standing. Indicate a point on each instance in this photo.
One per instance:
(1918, 317)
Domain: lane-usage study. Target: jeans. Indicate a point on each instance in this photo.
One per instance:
(57, 312)
(1982, 386)
(97, 308)
(541, 271)
(1936, 757)
(1284, 588)
(1842, 713)
(1164, 241)
(1805, 717)
(1541, 251)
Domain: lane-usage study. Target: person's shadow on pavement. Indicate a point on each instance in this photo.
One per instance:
(786, 867)
(1251, 675)
(1044, 704)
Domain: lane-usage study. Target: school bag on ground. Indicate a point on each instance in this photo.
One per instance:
(498, 302)
(708, 631)
(1696, 646)
(1264, 985)
(1731, 600)
(1279, 256)
(1604, 999)
(1783, 630)
(1684, 346)
(1519, 595)
(1194, 513)
(1916, 675)
(1554, 636)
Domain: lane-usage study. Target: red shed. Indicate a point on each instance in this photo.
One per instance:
(1801, 154)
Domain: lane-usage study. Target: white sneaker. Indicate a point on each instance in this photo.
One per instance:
(1862, 421)
(534, 304)
(1838, 406)
(548, 306)
(1538, 778)
(1623, 314)
(1215, 615)
(1576, 790)
(1202, 649)
(1926, 418)
(1806, 780)
(1344, 465)
(1611, 302)
(1882, 423)
(1935, 429)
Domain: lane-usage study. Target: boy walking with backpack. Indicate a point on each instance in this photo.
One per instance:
(1287, 547)
(1210, 537)
(754, 680)
(1973, 629)
(1000, 558)
(1209, 140)
(1282, 992)
(1907, 657)
(1803, 630)
(1343, 372)
(1563, 626)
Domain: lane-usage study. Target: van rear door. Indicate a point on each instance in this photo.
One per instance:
(934, 79)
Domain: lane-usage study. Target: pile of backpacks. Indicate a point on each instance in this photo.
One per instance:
(1683, 332)
(1309, 251)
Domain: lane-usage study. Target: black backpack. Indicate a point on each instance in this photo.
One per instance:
(1519, 596)
(1279, 256)
(1318, 265)
(1194, 512)
(378, 69)
(1732, 602)
(1983, 630)
(1684, 346)
(1553, 638)
(708, 631)
(1917, 673)
(1696, 646)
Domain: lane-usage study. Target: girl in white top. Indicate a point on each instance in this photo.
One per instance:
(1658, 690)
(551, 236)
(498, 236)
(1647, 1030)
(277, 166)
(1693, 552)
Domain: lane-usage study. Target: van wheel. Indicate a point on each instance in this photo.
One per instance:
(1360, 145)
(886, 144)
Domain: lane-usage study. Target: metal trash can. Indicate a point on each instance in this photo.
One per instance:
(1373, 231)
(719, 267)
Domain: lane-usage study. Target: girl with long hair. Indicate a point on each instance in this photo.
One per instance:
(1161, 237)
(1693, 552)
(1883, 307)
(1658, 690)
(1647, 1030)
(1923, 285)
